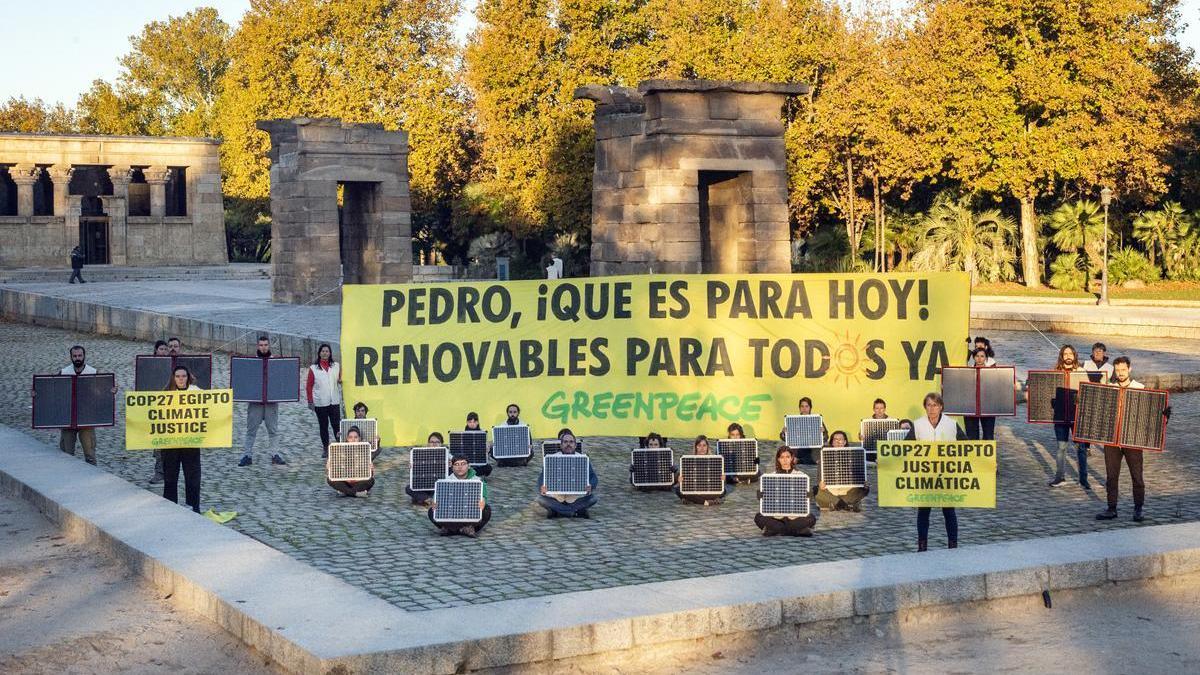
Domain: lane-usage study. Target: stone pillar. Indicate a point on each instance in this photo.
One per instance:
(156, 176)
(24, 175)
(116, 209)
(119, 175)
(60, 175)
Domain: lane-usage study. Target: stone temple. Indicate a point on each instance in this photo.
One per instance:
(340, 208)
(124, 200)
(690, 176)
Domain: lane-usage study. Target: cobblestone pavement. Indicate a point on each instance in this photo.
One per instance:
(388, 547)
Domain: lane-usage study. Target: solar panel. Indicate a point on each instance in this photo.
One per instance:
(283, 379)
(349, 461)
(652, 467)
(200, 366)
(52, 401)
(898, 435)
(1096, 412)
(152, 373)
(960, 386)
(457, 501)
(510, 441)
(95, 402)
(246, 376)
(566, 474)
(784, 495)
(872, 430)
(701, 475)
(803, 431)
(1142, 422)
(470, 444)
(997, 391)
(844, 467)
(741, 456)
(426, 467)
(368, 429)
(1050, 395)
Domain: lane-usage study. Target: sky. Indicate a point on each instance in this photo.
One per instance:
(55, 49)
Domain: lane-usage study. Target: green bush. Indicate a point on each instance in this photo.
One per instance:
(1127, 264)
(1066, 272)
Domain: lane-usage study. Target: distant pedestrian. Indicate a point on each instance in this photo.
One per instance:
(77, 258)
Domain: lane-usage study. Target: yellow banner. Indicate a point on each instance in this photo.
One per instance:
(961, 474)
(677, 354)
(163, 420)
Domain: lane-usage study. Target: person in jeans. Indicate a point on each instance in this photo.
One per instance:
(935, 426)
(1113, 454)
(77, 258)
(563, 506)
(325, 396)
(260, 413)
(186, 458)
(1068, 362)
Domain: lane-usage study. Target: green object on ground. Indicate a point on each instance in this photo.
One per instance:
(221, 517)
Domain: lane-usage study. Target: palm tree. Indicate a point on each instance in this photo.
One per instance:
(956, 237)
(1080, 225)
(1158, 230)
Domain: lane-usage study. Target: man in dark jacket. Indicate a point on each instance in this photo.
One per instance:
(77, 265)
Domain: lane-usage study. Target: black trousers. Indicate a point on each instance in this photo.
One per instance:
(189, 460)
(786, 527)
(1112, 474)
(455, 527)
(980, 428)
(329, 417)
(76, 273)
(949, 515)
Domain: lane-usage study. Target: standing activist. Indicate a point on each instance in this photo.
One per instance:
(1123, 377)
(259, 413)
(186, 458)
(935, 426)
(1068, 362)
(85, 435)
(982, 428)
(324, 389)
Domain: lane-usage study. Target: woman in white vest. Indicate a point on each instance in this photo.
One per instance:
(935, 426)
(325, 395)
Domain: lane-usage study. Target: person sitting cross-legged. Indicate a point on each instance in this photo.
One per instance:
(839, 499)
(353, 488)
(461, 469)
(568, 506)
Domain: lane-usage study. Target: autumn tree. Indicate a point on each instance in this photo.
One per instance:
(35, 116)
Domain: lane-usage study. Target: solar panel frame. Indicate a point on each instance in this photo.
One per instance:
(804, 431)
(1143, 426)
(53, 401)
(1098, 408)
(566, 474)
(349, 462)
(95, 400)
(997, 391)
(844, 467)
(1041, 393)
(199, 365)
(471, 444)
(152, 373)
(744, 455)
(702, 475)
(654, 465)
(960, 390)
(784, 495)
(897, 435)
(247, 379)
(283, 379)
(508, 439)
(872, 430)
(457, 501)
(426, 466)
(368, 429)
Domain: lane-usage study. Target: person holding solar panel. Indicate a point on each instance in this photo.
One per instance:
(1068, 362)
(699, 447)
(795, 526)
(839, 498)
(805, 455)
(352, 488)
(473, 425)
(461, 469)
(735, 432)
(653, 441)
(421, 497)
(1113, 454)
(568, 506)
(981, 428)
(512, 417)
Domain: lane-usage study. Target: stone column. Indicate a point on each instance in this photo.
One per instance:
(119, 175)
(24, 175)
(60, 175)
(115, 208)
(156, 176)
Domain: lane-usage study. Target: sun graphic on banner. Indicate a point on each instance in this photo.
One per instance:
(847, 360)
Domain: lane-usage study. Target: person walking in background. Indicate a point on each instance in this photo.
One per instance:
(77, 258)
(325, 396)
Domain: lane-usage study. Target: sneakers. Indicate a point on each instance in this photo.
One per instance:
(156, 479)
(324, 454)
(1085, 485)
(246, 460)
(469, 531)
(1137, 515)
(1058, 482)
(277, 460)
(1107, 514)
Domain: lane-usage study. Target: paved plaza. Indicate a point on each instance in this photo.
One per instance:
(388, 547)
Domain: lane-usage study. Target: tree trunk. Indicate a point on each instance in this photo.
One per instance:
(850, 228)
(878, 226)
(1029, 256)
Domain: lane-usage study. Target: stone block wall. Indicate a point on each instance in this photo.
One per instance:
(313, 250)
(690, 176)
